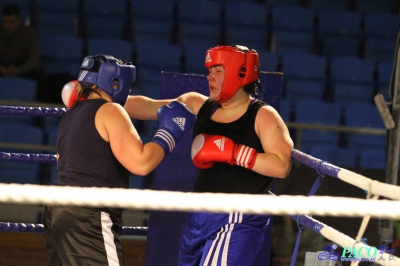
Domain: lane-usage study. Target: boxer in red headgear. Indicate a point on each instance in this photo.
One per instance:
(240, 145)
(241, 65)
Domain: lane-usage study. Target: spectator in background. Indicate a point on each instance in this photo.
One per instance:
(19, 46)
(284, 235)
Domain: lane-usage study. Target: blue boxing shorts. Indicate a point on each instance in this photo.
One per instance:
(232, 239)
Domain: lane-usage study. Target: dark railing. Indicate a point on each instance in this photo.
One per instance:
(299, 127)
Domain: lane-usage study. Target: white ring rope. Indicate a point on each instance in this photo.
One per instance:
(346, 241)
(218, 202)
(372, 186)
(213, 202)
(208, 202)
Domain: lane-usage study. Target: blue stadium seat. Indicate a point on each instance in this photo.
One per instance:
(381, 31)
(53, 23)
(18, 89)
(61, 53)
(51, 135)
(57, 17)
(292, 18)
(385, 68)
(282, 2)
(105, 18)
(364, 115)
(162, 10)
(151, 30)
(240, 19)
(19, 172)
(351, 69)
(347, 94)
(344, 158)
(317, 112)
(292, 29)
(58, 6)
(20, 133)
(339, 32)
(324, 4)
(304, 89)
(194, 59)
(151, 18)
(380, 49)
(373, 159)
(155, 57)
(285, 41)
(247, 36)
(332, 21)
(304, 66)
(383, 25)
(334, 45)
(364, 6)
(198, 34)
(352, 80)
(304, 76)
(116, 47)
(49, 125)
(269, 61)
(105, 27)
(199, 22)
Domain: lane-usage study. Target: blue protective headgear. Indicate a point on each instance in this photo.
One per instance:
(113, 75)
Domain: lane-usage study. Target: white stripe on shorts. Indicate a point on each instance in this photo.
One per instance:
(224, 234)
(108, 236)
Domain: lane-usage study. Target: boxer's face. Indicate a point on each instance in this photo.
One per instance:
(216, 77)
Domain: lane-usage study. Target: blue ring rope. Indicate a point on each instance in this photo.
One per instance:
(32, 111)
(39, 228)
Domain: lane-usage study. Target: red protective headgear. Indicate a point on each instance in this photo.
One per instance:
(241, 67)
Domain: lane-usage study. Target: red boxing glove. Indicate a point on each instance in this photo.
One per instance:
(69, 93)
(208, 149)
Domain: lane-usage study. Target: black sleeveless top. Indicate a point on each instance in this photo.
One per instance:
(222, 177)
(86, 160)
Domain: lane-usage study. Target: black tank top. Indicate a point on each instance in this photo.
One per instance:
(86, 160)
(223, 177)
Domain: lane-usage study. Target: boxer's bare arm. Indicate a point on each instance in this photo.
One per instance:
(144, 108)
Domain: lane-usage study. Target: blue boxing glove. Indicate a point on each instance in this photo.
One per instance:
(175, 119)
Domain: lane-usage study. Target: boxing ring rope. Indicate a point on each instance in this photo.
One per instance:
(32, 111)
(189, 201)
(39, 228)
(372, 186)
(209, 202)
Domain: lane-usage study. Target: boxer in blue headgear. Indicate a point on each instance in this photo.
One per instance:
(98, 146)
(113, 75)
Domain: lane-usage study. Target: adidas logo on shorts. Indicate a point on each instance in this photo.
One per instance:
(220, 144)
(180, 121)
